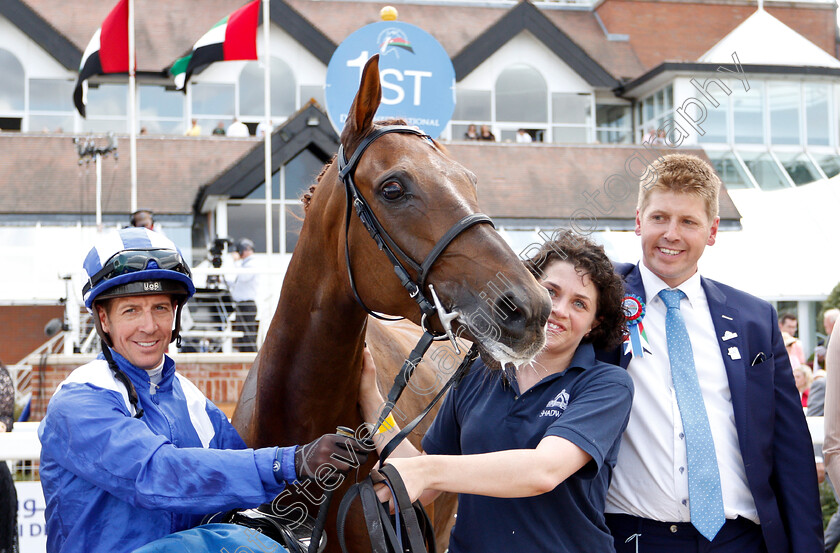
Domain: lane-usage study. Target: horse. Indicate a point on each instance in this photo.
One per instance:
(304, 381)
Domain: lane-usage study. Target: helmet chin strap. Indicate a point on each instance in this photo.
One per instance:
(132, 393)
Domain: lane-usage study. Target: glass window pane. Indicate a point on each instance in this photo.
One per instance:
(521, 95)
(294, 222)
(765, 171)
(614, 137)
(829, 163)
(648, 108)
(472, 105)
(570, 135)
(252, 89)
(162, 126)
(12, 83)
(212, 99)
(248, 221)
(50, 95)
(104, 125)
(107, 99)
(571, 108)
(51, 123)
(748, 113)
(729, 170)
(669, 98)
(659, 103)
(315, 92)
(301, 173)
(784, 112)
(816, 113)
(612, 116)
(157, 101)
(714, 125)
(799, 167)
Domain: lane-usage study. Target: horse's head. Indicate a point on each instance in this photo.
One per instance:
(418, 193)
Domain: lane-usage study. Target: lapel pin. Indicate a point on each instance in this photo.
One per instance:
(734, 354)
(728, 335)
(727, 318)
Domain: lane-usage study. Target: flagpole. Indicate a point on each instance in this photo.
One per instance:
(269, 223)
(132, 106)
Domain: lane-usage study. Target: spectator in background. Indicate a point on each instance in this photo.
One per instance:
(650, 137)
(486, 134)
(220, 129)
(143, 131)
(244, 292)
(238, 129)
(142, 218)
(829, 320)
(522, 137)
(261, 128)
(195, 130)
(802, 377)
(788, 324)
(471, 134)
(8, 494)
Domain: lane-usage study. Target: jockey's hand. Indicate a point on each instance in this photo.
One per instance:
(332, 450)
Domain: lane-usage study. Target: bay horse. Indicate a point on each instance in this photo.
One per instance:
(305, 379)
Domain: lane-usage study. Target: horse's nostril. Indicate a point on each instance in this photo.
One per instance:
(512, 314)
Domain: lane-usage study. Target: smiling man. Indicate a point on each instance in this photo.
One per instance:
(716, 456)
(133, 451)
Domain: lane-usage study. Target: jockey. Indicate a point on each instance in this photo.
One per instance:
(132, 450)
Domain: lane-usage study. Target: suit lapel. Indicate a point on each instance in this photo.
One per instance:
(726, 322)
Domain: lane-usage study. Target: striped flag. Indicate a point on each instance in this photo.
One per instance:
(232, 38)
(106, 53)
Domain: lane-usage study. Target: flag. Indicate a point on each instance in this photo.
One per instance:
(107, 52)
(232, 38)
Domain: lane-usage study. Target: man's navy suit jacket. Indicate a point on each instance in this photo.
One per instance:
(772, 432)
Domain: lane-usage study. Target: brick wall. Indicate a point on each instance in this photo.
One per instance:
(23, 329)
(218, 376)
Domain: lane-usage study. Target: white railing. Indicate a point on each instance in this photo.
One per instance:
(21, 444)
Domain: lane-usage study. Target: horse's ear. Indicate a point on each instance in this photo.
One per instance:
(360, 118)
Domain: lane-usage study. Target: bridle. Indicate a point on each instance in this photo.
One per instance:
(414, 287)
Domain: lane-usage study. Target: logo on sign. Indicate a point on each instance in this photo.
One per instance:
(416, 74)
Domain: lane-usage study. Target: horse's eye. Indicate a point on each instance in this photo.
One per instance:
(393, 191)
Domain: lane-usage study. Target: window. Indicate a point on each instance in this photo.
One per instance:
(613, 124)
(748, 113)
(107, 108)
(161, 111)
(521, 95)
(816, 113)
(767, 173)
(571, 117)
(783, 99)
(799, 167)
(252, 90)
(51, 105)
(655, 109)
(246, 217)
(212, 103)
(829, 163)
(729, 168)
(12, 83)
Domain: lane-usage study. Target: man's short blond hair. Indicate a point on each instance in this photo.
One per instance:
(684, 174)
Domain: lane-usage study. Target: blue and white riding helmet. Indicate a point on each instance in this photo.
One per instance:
(136, 262)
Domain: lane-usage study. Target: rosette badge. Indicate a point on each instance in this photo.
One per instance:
(634, 311)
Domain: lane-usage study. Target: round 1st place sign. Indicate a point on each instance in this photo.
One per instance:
(418, 80)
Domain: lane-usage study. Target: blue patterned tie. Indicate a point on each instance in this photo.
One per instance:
(704, 492)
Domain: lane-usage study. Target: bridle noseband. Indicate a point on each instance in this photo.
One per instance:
(415, 287)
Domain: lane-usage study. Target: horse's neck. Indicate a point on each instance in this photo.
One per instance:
(310, 361)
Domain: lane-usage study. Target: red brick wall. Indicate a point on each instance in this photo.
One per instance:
(23, 329)
(219, 378)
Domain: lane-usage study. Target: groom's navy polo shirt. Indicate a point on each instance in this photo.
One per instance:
(588, 404)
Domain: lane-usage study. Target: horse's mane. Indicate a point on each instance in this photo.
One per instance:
(306, 197)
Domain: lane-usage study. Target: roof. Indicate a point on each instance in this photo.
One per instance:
(41, 173)
(656, 31)
(764, 40)
(544, 181)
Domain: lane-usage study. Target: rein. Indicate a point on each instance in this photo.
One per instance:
(376, 515)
